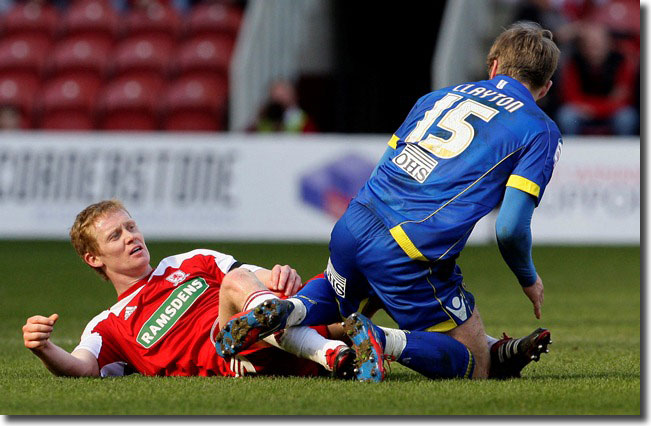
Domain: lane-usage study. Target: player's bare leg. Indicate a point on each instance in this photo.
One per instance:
(235, 289)
(471, 333)
(238, 292)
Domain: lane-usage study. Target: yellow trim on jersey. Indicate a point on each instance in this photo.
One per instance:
(393, 142)
(458, 195)
(467, 375)
(405, 243)
(442, 327)
(524, 184)
(341, 315)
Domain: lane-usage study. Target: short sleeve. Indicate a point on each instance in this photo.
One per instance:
(535, 165)
(97, 340)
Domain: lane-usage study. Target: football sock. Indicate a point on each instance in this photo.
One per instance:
(257, 298)
(304, 342)
(297, 315)
(315, 304)
(436, 355)
(395, 342)
(491, 340)
(308, 312)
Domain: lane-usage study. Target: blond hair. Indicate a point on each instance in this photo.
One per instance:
(82, 232)
(526, 52)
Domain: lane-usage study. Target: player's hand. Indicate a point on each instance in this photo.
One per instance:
(535, 293)
(37, 331)
(285, 280)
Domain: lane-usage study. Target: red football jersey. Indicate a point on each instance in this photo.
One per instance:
(162, 324)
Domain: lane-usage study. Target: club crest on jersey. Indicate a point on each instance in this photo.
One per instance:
(415, 162)
(177, 277)
(170, 311)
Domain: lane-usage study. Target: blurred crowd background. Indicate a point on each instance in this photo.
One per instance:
(296, 65)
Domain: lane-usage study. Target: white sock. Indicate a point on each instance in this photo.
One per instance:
(297, 316)
(305, 342)
(257, 298)
(396, 341)
(491, 340)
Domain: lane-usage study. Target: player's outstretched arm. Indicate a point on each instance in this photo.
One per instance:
(36, 335)
(513, 230)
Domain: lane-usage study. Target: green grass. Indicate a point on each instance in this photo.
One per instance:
(592, 306)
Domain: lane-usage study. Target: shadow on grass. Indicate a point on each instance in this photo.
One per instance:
(573, 376)
(407, 376)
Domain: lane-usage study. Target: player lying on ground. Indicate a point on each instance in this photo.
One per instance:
(165, 318)
(149, 311)
(461, 151)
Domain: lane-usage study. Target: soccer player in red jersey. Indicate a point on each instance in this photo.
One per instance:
(165, 318)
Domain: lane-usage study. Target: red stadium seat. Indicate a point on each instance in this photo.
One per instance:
(142, 55)
(30, 18)
(620, 16)
(156, 19)
(204, 56)
(79, 55)
(20, 93)
(24, 55)
(91, 18)
(67, 103)
(214, 19)
(129, 104)
(192, 103)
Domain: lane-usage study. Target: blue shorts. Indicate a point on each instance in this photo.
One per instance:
(365, 259)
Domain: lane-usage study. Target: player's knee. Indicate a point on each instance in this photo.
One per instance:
(236, 281)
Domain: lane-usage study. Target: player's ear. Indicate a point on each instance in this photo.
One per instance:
(93, 260)
(493, 71)
(544, 90)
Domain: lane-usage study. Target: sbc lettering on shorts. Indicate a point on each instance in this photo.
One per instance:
(337, 281)
(170, 311)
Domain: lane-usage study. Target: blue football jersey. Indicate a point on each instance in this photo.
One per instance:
(452, 159)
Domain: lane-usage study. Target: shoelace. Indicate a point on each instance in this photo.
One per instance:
(386, 362)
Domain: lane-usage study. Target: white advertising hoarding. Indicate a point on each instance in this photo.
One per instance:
(275, 188)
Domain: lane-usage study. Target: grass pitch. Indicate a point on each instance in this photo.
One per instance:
(592, 307)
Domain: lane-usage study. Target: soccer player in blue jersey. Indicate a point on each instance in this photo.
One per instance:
(460, 152)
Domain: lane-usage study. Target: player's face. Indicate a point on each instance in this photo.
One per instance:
(121, 246)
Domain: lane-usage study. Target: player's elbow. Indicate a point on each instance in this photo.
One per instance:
(506, 234)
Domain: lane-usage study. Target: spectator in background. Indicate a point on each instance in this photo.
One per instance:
(282, 113)
(182, 6)
(549, 15)
(597, 86)
(9, 118)
(552, 15)
(6, 5)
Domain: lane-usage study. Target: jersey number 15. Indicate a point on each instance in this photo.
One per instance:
(453, 121)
